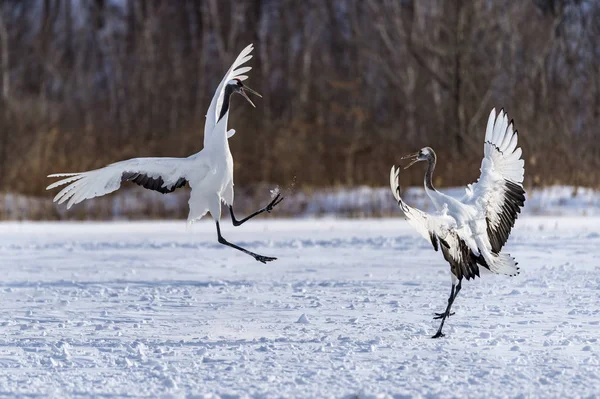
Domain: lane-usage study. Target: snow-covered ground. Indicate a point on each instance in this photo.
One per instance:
(151, 309)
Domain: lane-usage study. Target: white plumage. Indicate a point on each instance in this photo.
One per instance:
(209, 173)
(105, 180)
(472, 231)
(236, 71)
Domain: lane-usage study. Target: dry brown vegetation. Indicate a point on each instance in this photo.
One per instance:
(348, 85)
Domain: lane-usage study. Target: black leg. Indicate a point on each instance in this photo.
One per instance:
(278, 198)
(260, 258)
(453, 293)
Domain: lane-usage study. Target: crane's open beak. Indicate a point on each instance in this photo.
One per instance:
(414, 157)
(249, 90)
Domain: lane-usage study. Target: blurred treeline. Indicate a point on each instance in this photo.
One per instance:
(349, 86)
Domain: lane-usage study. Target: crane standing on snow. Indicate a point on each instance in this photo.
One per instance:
(471, 232)
(209, 172)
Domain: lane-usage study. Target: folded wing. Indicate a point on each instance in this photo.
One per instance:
(440, 231)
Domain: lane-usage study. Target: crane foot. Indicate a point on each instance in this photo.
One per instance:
(442, 315)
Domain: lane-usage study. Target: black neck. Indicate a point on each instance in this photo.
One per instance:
(226, 98)
(429, 174)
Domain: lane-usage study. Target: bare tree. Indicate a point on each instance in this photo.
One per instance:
(348, 85)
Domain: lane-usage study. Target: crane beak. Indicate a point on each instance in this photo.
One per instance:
(243, 93)
(249, 90)
(414, 157)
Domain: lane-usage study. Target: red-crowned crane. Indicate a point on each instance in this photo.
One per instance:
(472, 231)
(209, 173)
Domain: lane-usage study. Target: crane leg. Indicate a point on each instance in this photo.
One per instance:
(443, 316)
(278, 198)
(260, 258)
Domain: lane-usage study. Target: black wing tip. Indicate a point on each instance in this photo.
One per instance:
(434, 241)
(514, 200)
(150, 183)
(466, 265)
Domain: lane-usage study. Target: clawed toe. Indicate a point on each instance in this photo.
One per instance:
(278, 198)
(264, 259)
(277, 203)
(439, 334)
(441, 315)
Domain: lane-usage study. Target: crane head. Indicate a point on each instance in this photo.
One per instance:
(239, 87)
(424, 154)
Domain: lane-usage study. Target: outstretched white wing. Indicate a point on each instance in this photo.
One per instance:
(440, 230)
(235, 72)
(160, 174)
(499, 193)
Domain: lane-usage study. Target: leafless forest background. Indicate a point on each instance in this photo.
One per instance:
(349, 86)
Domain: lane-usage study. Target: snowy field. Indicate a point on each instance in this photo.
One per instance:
(147, 309)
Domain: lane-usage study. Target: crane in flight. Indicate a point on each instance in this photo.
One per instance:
(209, 173)
(472, 231)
